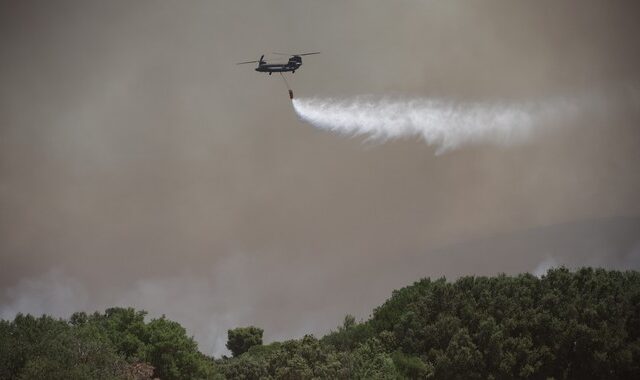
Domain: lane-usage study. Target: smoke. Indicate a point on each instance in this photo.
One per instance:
(53, 293)
(444, 124)
(154, 173)
(227, 295)
(544, 266)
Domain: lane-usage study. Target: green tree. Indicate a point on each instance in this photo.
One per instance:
(125, 327)
(412, 367)
(45, 348)
(173, 354)
(349, 335)
(564, 325)
(370, 361)
(241, 339)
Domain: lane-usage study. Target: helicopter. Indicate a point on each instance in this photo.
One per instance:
(294, 63)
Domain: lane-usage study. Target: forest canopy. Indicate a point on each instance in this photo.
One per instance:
(564, 325)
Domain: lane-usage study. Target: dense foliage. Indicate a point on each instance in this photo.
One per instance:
(118, 344)
(565, 325)
(577, 325)
(241, 339)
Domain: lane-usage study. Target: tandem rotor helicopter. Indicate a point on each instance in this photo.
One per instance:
(292, 65)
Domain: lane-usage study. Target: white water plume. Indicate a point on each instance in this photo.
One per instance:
(445, 124)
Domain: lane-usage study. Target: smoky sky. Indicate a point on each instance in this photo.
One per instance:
(140, 167)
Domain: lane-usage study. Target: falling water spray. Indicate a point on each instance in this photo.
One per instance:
(444, 124)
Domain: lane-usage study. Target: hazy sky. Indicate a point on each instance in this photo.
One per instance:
(140, 167)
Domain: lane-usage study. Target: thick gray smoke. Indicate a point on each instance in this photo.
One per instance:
(139, 166)
(444, 124)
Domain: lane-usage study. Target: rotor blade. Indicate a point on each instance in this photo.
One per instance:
(291, 55)
(242, 63)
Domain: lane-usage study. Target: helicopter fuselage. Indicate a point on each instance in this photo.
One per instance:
(291, 66)
(277, 68)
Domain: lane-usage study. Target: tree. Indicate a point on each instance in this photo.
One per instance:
(349, 335)
(125, 327)
(115, 345)
(241, 339)
(45, 348)
(565, 325)
(173, 354)
(370, 361)
(412, 367)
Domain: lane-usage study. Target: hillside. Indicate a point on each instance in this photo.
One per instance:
(564, 325)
